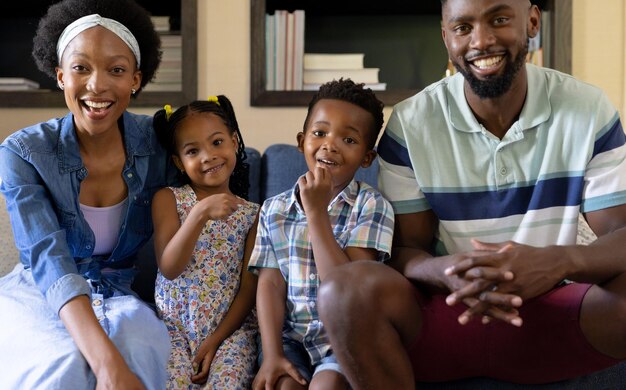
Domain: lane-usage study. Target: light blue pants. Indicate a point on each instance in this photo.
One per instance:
(37, 352)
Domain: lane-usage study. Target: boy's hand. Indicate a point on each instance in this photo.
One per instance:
(316, 189)
(219, 206)
(271, 370)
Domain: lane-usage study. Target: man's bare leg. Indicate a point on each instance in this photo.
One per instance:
(603, 317)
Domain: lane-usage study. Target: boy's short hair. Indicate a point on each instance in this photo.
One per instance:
(351, 92)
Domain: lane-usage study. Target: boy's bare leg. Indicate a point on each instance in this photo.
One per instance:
(288, 383)
(329, 380)
(371, 315)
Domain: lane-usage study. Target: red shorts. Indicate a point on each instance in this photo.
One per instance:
(549, 346)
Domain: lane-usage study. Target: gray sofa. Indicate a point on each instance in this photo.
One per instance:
(277, 170)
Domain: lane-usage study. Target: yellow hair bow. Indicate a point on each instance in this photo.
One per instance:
(168, 111)
(214, 99)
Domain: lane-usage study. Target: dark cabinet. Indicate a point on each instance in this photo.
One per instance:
(17, 28)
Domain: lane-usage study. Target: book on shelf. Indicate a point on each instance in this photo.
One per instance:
(284, 50)
(171, 40)
(270, 52)
(320, 76)
(17, 84)
(171, 53)
(333, 60)
(169, 75)
(161, 23)
(289, 51)
(163, 87)
(372, 86)
(280, 36)
(172, 64)
(298, 51)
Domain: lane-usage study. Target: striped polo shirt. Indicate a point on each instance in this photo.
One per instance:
(564, 154)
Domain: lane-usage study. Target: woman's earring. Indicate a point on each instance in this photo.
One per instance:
(133, 91)
(61, 85)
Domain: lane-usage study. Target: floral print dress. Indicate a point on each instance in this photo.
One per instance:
(194, 304)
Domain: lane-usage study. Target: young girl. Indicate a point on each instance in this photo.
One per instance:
(204, 234)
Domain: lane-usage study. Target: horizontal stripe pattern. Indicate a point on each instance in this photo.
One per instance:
(566, 153)
(611, 139)
(392, 151)
(562, 191)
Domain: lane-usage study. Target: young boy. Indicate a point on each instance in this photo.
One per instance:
(325, 220)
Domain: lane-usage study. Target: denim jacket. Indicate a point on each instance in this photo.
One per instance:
(40, 174)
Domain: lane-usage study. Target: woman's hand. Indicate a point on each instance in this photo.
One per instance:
(118, 377)
(108, 364)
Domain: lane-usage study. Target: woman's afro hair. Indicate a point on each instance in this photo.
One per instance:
(127, 12)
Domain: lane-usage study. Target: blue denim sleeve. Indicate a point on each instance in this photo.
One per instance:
(38, 236)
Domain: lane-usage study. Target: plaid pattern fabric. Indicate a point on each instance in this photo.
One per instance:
(360, 217)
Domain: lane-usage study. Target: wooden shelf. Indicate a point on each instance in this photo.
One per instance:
(54, 98)
(302, 98)
(377, 30)
(419, 56)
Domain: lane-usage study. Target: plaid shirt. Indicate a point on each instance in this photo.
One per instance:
(360, 217)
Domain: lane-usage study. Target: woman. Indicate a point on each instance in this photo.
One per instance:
(78, 191)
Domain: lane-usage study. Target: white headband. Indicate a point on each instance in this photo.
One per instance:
(93, 20)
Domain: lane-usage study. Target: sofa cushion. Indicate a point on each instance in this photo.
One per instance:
(8, 251)
(254, 161)
(282, 165)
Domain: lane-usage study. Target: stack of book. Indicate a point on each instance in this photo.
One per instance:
(17, 84)
(169, 76)
(320, 68)
(161, 23)
(284, 50)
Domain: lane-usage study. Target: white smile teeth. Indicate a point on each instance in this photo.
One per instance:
(214, 169)
(327, 162)
(487, 62)
(91, 104)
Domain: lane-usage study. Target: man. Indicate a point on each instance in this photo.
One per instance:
(487, 171)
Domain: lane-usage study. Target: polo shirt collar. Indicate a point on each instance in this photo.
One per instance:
(536, 108)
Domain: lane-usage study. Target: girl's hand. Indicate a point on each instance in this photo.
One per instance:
(202, 362)
(219, 206)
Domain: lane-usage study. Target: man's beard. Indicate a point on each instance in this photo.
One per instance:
(496, 85)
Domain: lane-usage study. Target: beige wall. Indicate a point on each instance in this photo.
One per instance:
(599, 44)
(224, 67)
